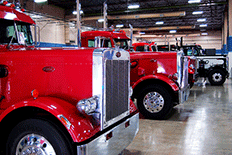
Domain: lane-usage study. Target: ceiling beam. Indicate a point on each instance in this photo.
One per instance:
(152, 15)
(138, 16)
(163, 28)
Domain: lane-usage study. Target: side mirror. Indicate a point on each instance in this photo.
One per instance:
(21, 38)
(131, 49)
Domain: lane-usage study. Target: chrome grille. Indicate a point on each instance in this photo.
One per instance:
(117, 83)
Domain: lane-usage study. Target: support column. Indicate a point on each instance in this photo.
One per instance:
(224, 34)
(78, 25)
(229, 38)
(229, 41)
(67, 31)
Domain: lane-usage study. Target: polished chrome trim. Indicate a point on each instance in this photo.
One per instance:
(122, 136)
(182, 70)
(100, 56)
(184, 94)
(179, 66)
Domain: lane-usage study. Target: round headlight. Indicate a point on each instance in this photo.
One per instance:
(87, 106)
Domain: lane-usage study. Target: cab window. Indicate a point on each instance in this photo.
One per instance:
(91, 43)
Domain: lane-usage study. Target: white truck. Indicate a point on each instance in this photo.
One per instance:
(209, 65)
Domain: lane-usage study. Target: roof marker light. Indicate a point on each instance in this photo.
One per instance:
(12, 5)
(5, 3)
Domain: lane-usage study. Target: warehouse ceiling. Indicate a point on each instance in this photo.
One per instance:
(175, 14)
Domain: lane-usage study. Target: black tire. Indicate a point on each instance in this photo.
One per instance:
(216, 77)
(162, 97)
(39, 132)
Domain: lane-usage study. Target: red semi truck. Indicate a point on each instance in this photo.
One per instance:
(159, 80)
(61, 101)
(192, 62)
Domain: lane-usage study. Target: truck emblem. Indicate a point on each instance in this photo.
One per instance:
(118, 54)
(48, 69)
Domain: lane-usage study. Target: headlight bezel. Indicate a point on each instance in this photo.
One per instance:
(88, 106)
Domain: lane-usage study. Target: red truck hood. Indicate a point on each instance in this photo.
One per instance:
(157, 55)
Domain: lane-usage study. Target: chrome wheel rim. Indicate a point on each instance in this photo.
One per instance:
(153, 102)
(33, 144)
(217, 77)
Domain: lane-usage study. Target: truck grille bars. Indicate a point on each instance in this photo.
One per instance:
(116, 88)
(111, 82)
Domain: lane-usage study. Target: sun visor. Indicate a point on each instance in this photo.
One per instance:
(9, 13)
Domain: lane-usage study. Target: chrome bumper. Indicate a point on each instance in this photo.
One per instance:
(121, 136)
(184, 94)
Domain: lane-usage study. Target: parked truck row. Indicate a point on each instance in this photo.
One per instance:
(159, 80)
(73, 100)
(61, 101)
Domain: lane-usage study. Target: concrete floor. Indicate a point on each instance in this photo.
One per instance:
(201, 126)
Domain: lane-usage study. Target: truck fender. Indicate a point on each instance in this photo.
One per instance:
(217, 67)
(161, 77)
(80, 127)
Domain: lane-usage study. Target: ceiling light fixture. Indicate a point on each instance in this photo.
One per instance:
(36, 16)
(203, 25)
(141, 32)
(201, 20)
(202, 30)
(134, 6)
(197, 12)
(159, 23)
(194, 1)
(40, 1)
(75, 12)
(172, 31)
(204, 34)
(119, 25)
(100, 20)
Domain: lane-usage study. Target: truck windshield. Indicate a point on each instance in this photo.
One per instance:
(154, 48)
(143, 48)
(122, 43)
(7, 32)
